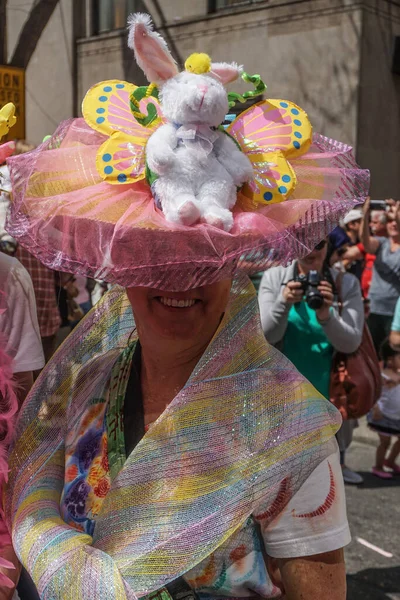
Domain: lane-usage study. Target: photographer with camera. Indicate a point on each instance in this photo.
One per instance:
(385, 286)
(300, 315)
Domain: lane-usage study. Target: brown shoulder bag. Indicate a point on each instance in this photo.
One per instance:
(355, 383)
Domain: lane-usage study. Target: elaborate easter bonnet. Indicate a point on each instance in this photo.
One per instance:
(149, 188)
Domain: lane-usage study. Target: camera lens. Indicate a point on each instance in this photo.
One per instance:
(315, 300)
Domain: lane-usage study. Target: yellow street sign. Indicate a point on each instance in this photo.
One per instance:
(12, 89)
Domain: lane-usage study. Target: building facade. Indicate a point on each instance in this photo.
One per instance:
(332, 57)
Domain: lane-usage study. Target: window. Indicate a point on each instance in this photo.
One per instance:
(215, 5)
(113, 14)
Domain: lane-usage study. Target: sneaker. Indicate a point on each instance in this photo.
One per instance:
(350, 476)
(381, 473)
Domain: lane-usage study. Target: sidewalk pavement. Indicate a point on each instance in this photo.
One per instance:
(363, 434)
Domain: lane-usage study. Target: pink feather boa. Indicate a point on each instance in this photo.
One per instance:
(8, 411)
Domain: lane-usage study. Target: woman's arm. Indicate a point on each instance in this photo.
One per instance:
(370, 243)
(394, 340)
(345, 331)
(352, 253)
(322, 576)
(274, 307)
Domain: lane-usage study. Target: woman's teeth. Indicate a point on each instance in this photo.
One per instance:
(177, 303)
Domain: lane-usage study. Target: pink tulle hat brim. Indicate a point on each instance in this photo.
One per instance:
(69, 218)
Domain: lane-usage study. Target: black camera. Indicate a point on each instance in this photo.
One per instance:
(310, 284)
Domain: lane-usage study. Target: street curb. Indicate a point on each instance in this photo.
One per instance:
(365, 439)
(364, 435)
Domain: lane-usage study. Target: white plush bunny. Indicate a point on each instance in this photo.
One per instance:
(199, 167)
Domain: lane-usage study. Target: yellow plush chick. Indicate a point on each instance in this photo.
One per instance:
(7, 118)
(198, 63)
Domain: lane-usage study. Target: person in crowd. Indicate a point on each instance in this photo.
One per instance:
(307, 334)
(7, 242)
(384, 418)
(395, 328)
(378, 221)
(19, 323)
(175, 450)
(44, 285)
(385, 286)
(352, 224)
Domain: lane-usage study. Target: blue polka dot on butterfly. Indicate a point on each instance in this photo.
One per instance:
(103, 99)
(120, 86)
(282, 189)
(107, 157)
(286, 178)
(297, 122)
(101, 111)
(296, 145)
(122, 178)
(294, 111)
(107, 89)
(108, 170)
(298, 134)
(268, 196)
(284, 104)
(100, 120)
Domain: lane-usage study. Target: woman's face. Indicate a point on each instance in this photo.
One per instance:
(315, 260)
(180, 316)
(391, 227)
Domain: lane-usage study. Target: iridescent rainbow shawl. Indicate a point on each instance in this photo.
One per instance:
(245, 420)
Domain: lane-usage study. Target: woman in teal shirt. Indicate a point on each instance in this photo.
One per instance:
(309, 335)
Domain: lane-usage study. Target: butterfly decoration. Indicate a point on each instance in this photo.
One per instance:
(7, 119)
(270, 133)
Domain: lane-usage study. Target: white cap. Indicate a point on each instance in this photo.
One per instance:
(353, 215)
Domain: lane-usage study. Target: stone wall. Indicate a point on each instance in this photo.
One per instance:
(378, 145)
(50, 74)
(308, 53)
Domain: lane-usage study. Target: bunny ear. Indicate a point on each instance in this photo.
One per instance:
(151, 51)
(226, 72)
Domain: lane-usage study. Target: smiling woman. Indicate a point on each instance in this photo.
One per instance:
(167, 451)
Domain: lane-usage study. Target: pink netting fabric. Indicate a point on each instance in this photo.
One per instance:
(8, 410)
(73, 221)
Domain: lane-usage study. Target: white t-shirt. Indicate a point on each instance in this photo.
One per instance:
(5, 189)
(315, 519)
(19, 322)
(389, 402)
(313, 522)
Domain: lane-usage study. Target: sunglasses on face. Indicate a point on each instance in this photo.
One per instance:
(320, 245)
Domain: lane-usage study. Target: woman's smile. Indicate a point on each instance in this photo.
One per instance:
(175, 303)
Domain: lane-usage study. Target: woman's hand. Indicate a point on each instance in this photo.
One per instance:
(327, 292)
(293, 292)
